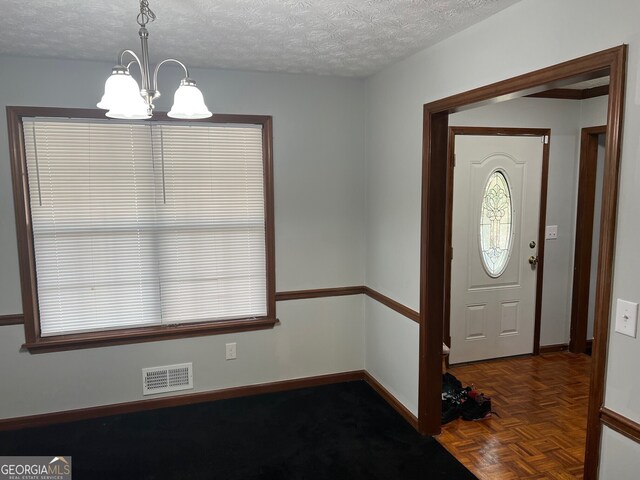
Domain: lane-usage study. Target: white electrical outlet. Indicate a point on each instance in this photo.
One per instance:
(626, 318)
(231, 351)
(551, 232)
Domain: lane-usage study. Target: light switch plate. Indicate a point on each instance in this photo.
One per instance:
(626, 318)
(551, 232)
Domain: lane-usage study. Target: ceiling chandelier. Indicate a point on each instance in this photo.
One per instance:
(123, 97)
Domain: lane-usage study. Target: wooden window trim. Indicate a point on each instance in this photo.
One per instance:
(28, 280)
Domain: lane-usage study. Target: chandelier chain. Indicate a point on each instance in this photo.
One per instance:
(146, 15)
(123, 97)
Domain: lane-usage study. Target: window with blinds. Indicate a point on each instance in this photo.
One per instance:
(145, 224)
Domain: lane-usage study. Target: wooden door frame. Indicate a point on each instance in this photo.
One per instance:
(433, 255)
(498, 132)
(584, 237)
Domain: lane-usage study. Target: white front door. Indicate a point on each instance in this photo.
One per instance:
(496, 210)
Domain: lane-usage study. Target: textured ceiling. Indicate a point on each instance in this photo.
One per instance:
(334, 37)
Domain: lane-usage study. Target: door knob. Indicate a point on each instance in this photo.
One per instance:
(533, 260)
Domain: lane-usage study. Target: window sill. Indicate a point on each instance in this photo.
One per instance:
(146, 334)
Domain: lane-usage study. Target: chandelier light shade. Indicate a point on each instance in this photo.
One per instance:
(123, 97)
(188, 102)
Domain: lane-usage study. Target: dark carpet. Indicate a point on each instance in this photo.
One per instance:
(343, 431)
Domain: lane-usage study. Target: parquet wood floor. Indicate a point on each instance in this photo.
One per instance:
(541, 430)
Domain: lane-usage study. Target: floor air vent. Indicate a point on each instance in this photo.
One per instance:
(169, 378)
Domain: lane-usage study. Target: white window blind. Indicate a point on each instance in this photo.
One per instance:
(211, 229)
(139, 225)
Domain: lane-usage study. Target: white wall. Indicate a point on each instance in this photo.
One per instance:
(531, 34)
(319, 218)
(593, 112)
(391, 352)
(619, 459)
(317, 336)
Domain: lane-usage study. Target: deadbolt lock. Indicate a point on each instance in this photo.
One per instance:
(532, 244)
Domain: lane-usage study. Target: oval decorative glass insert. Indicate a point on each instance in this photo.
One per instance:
(496, 224)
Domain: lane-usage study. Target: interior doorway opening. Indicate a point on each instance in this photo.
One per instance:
(489, 315)
(610, 63)
(590, 185)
